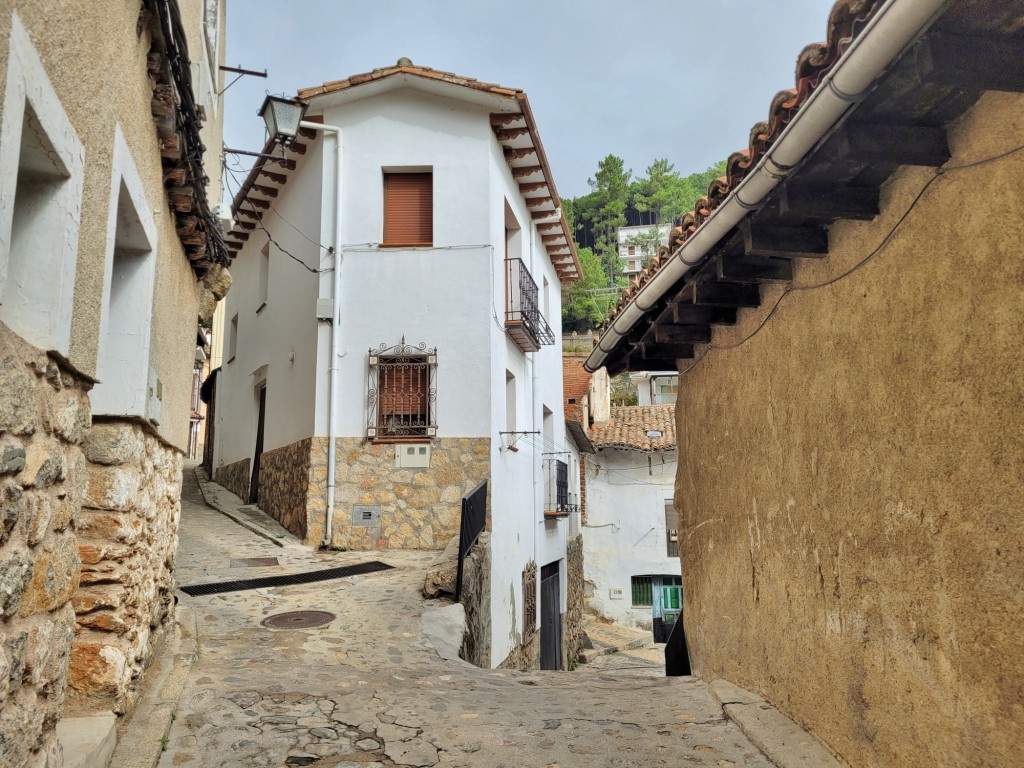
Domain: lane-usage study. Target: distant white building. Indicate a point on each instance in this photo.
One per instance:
(655, 387)
(633, 253)
(423, 336)
(630, 540)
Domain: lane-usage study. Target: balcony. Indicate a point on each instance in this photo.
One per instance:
(556, 490)
(523, 320)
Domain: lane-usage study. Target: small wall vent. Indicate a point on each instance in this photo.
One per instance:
(366, 514)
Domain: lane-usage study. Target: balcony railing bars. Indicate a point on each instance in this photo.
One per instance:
(556, 489)
(523, 318)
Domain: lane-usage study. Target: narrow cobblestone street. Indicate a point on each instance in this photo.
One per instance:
(368, 691)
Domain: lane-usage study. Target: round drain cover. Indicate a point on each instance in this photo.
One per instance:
(298, 620)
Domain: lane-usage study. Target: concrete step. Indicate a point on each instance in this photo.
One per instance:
(611, 638)
(88, 742)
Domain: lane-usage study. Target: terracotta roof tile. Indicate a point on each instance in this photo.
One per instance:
(846, 20)
(629, 425)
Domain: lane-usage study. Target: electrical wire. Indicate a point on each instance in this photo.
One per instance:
(939, 173)
(270, 237)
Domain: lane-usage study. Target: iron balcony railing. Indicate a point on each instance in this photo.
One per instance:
(556, 490)
(523, 320)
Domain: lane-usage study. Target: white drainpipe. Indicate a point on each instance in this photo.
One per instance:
(893, 27)
(332, 397)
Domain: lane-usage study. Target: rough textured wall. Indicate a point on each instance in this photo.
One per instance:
(476, 599)
(44, 416)
(284, 483)
(420, 507)
(128, 536)
(234, 477)
(572, 631)
(850, 478)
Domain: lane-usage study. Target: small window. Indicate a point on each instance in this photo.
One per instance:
(40, 201)
(264, 284)
(632, 250)
(510, 402)
(233, 338)
(408, 209)
(402, 392)
(671, 528)
(529, 600)
(643, 590)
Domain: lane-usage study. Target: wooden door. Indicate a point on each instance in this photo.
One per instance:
(550, 618)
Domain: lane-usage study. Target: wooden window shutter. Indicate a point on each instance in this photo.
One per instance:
(408, 209)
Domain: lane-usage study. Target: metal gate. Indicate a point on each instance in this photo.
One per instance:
(550, 617)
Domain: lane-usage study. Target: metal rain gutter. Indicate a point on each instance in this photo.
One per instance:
(894, 26)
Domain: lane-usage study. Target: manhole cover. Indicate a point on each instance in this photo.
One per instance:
(298, 620)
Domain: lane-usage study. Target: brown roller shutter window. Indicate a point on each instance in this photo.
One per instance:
(408, 209)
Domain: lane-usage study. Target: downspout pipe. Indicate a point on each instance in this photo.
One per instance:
(332, 385)
(893, 27)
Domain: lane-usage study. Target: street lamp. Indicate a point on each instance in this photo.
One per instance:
(283, 117)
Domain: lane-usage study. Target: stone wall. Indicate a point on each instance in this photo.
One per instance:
(44, 417)
(284, 485)
(849, 483)
(128, 535)
(476, 599)
(234, 477)
(572, 629)
(420, 508)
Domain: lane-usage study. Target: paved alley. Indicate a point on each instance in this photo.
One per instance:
(367, 691)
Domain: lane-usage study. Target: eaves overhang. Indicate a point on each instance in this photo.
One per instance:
(876, 95)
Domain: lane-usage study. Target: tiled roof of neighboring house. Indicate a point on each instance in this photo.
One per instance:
(514, 128)
(847, 19)
(629, 425)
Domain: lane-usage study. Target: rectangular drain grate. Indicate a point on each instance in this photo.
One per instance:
(253, 562)
(308, 577)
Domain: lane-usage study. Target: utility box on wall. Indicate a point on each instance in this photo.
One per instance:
(412, 456)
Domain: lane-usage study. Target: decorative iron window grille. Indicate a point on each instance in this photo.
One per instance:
(556, 489)
(523, 320)
(529, 600)
(402, 391)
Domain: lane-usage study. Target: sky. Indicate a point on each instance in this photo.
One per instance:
(644, 79)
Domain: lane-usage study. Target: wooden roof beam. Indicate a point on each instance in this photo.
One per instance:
(754, 269)
(769, 240)
(526, 170)
(901, 144)
(983, 63)
(829, 203)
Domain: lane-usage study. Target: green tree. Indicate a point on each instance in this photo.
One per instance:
(606, 209)
(588, 301)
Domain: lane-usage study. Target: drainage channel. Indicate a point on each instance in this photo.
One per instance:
(241, 585)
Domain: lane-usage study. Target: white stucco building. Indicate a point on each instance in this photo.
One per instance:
(637, 246)
(655, 387)
(630, 554)
(410, 312)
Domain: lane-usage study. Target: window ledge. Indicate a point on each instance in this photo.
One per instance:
(386, 440)
(405, 245)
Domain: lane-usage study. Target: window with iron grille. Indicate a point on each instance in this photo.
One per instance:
(529, 600)
(643, 590)
(401, 392)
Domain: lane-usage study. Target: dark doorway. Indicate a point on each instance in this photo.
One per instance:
(254, 482)
(550, 618)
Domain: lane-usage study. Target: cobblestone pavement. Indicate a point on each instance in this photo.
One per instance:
(367, 691)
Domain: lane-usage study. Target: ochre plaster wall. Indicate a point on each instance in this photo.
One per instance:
(850, 478)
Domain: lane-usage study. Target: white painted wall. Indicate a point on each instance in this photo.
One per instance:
(277, 341)
(625, 531)
(449, 296)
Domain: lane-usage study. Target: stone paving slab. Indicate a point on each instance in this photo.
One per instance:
(608, 638)
(368, 690)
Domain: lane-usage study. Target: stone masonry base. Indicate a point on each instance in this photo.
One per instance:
(128, 534)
